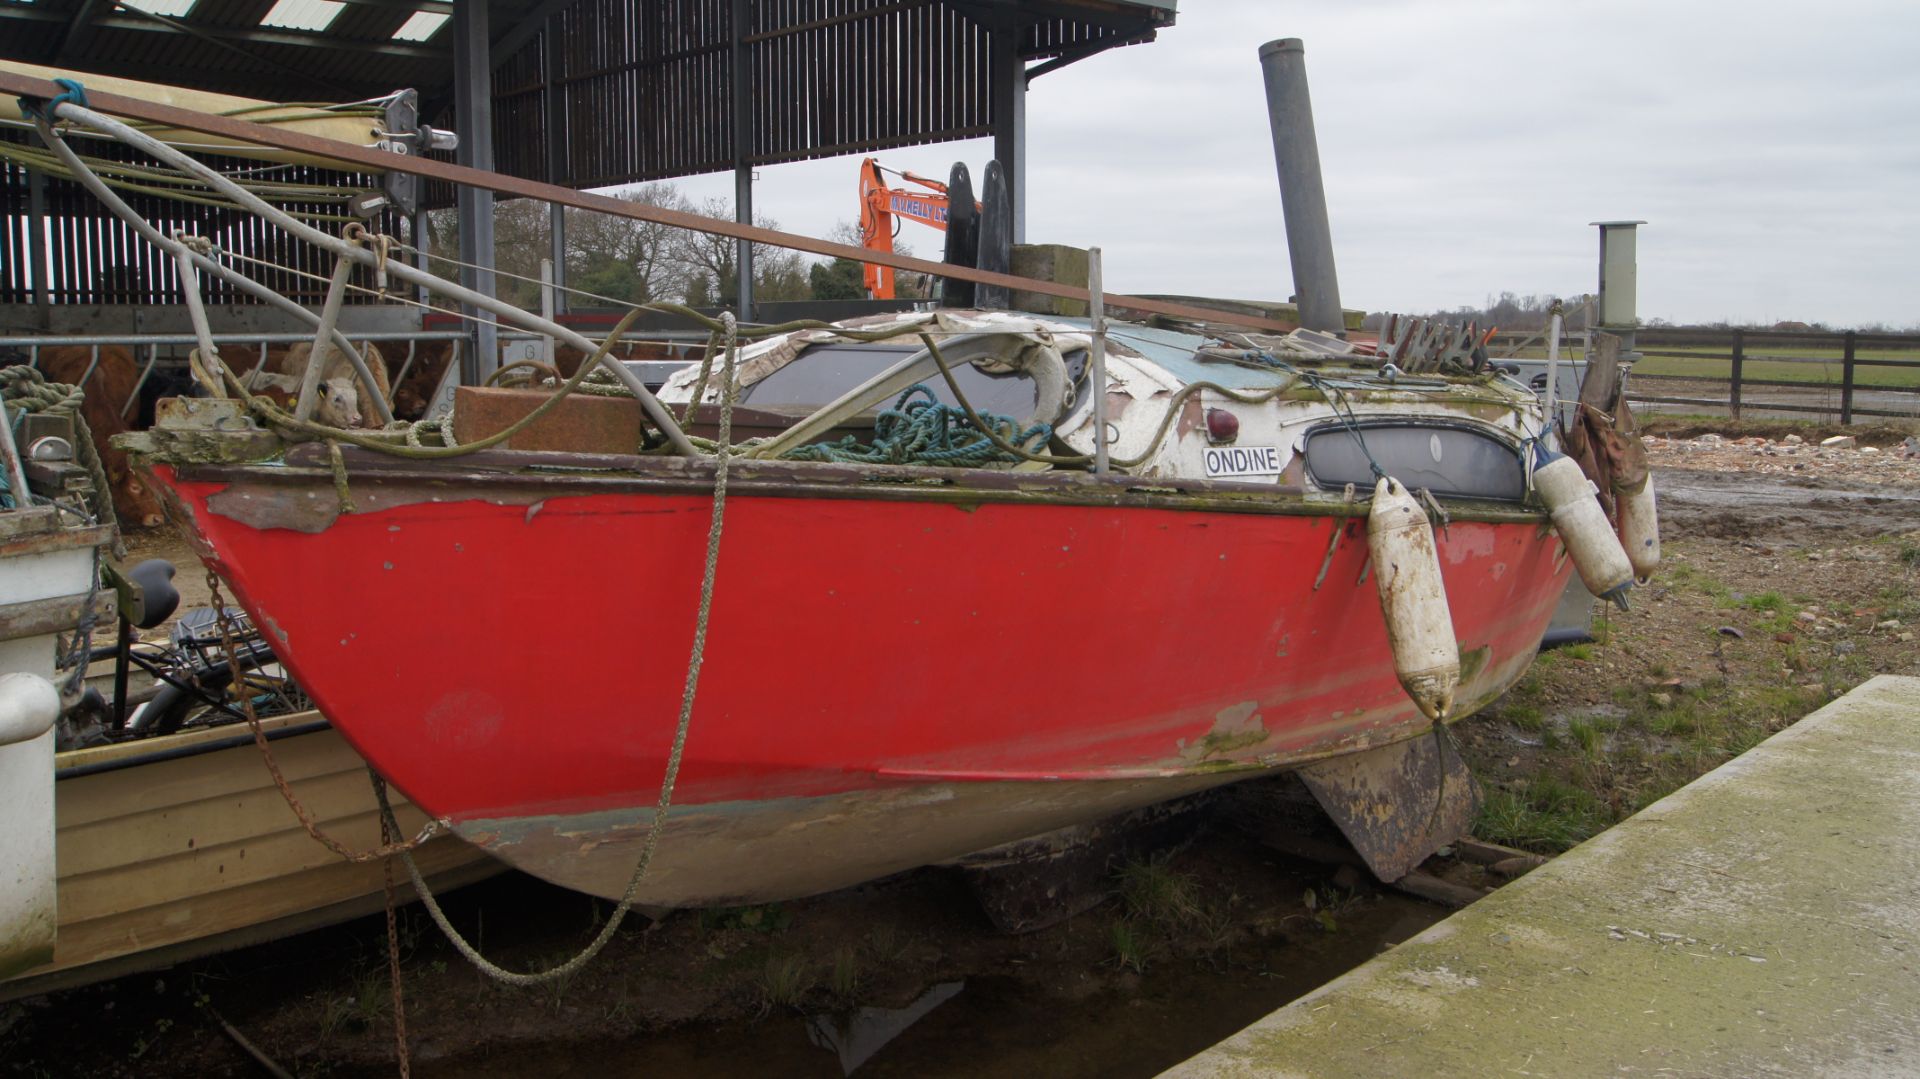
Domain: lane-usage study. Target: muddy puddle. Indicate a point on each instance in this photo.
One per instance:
(1060, 1024)
(937, 990)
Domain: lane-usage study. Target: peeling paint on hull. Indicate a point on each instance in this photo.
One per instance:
(886, 682)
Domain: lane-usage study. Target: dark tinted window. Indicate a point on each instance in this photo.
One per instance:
(823, 372)
(1446, 460)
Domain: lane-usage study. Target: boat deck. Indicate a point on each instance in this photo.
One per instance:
(1763, 920)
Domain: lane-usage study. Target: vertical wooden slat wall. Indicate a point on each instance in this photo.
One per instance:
(646, 83)
(95, 258)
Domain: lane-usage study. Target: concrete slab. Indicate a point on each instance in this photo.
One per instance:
(1762, 921)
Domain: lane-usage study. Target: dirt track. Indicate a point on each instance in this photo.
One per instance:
(1746, 505)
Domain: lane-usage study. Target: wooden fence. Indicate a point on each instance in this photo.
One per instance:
(1843, 375)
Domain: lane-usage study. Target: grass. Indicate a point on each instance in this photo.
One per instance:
(1787, 363)
(843, 979)
(888, 944)
(1130, 946)
(770, 918)
(785, 980)
(1526, 717)
(1161, 906)
(369, 1002)
(1152, 891)
(1587, 736)
(1548, 815)
(1821, 367)
(1664, 740)
(1909, 554)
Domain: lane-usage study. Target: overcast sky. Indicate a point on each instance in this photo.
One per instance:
(1773, 148)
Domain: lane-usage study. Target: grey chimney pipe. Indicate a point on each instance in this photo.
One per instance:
(1296, 152)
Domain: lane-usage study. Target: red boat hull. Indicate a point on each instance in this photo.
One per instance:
(889, 680)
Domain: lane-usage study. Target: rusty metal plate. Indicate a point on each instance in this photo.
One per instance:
(1399, 803)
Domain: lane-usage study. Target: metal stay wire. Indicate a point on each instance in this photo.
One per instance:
(656, 412)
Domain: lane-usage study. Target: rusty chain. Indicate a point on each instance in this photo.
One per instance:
(402, 1056)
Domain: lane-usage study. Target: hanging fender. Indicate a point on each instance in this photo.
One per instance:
(1583, 526)
(1639, 522)
(1413, 598)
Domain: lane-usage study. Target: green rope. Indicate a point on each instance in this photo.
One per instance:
(690, 688)
(919, 430)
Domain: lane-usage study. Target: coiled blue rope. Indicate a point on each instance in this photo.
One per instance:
(919, 430)
(71, 91)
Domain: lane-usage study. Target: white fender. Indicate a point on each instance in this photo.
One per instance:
(1406, 567)
(1583, 527)
(1639, 528)
(28, 706)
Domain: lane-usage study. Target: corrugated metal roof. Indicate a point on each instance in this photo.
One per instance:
(644, 86)
(315, 15)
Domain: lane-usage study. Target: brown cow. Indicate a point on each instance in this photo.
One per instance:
(106, 391)
(415, 392)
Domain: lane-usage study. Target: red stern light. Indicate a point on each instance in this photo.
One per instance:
(1222, 426)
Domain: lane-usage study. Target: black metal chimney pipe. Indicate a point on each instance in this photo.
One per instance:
(1316, 285)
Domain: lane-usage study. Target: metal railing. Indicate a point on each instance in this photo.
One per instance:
(154, 342)
(169, 349)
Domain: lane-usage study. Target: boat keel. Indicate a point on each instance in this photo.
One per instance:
(1399, 803)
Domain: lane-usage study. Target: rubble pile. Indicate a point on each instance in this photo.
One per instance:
(1840, 455)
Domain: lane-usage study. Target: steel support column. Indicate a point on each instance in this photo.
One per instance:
(423, 245)
(473, 111)
(1008, 101)
(742, 168)
(558, 154)
(37, 247)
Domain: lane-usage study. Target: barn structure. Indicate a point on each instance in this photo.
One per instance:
(583, 93)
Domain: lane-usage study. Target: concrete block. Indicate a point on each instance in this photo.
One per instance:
(581, 423)
(1050, 262)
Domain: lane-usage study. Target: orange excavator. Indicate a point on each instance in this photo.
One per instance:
(881, 206)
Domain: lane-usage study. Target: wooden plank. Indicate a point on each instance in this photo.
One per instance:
(195, 849)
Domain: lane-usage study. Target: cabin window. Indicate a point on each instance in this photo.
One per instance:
(1448, 460)
(823, 372)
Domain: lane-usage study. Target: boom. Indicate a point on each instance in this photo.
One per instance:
(880, 205)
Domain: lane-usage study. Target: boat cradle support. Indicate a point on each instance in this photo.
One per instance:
(1399, 803)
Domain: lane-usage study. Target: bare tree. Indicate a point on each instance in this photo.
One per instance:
(520, 231)
(622, 258)
(779, 273)
(844, 279)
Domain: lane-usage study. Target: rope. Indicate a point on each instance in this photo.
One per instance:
(339, 466)
(674, 756)
(386, 848)
(1174, 405)
(542, 369)
(918, 429)
(27, 390)
(411, 445)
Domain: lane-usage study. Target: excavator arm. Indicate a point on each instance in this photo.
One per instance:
(881, 206)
